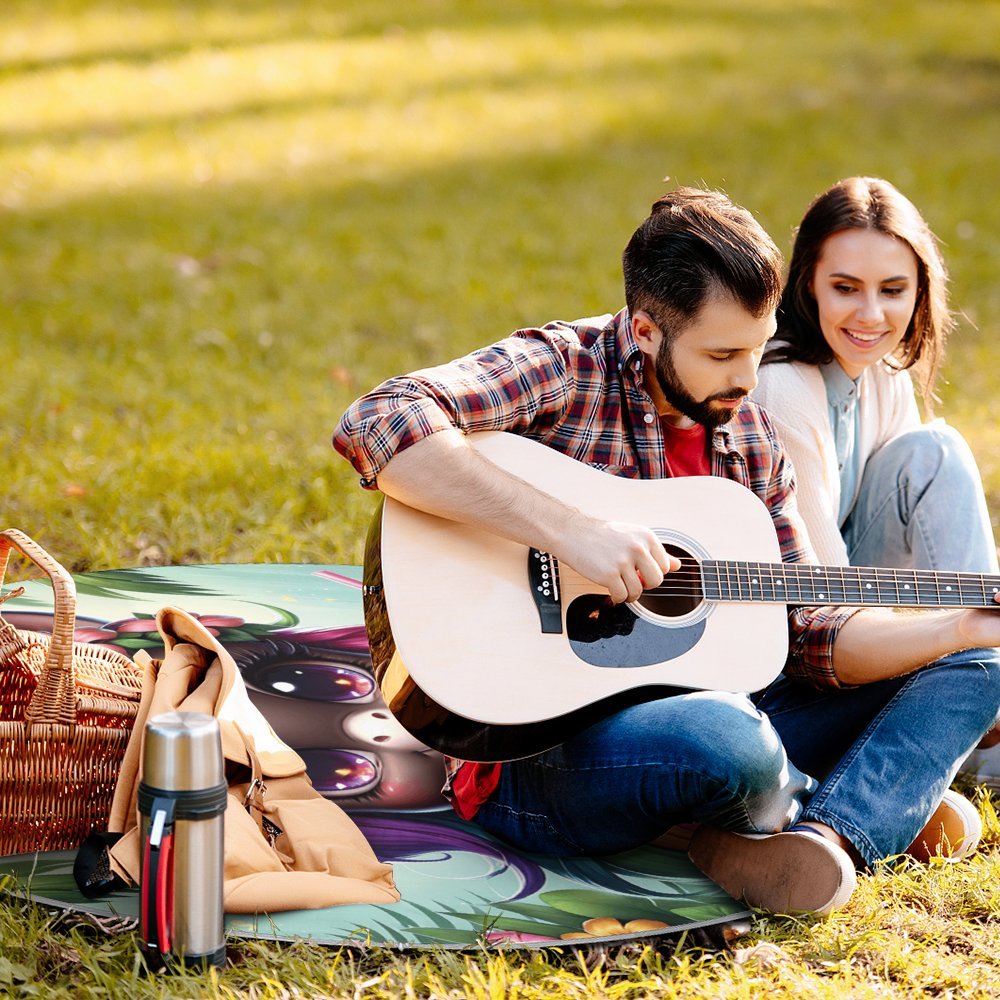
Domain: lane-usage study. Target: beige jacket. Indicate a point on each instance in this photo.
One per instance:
(794, 395)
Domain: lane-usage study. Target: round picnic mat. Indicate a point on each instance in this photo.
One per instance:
(297, 634)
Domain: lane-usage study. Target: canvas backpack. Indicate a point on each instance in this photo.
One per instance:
(286, 847)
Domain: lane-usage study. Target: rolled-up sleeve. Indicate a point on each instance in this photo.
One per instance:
(518, 383)
(812, 632)
(382, 423)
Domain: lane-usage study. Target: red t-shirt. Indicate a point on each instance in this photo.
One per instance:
(686, 450)
(472, 786)
(686, 455)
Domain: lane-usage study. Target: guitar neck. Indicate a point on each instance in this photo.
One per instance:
(801, 583)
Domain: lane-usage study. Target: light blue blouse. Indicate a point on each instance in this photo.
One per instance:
(842, 401)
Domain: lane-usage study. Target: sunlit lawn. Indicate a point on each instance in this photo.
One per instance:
(222, 221)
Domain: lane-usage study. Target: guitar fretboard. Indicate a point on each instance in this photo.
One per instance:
(792, 583)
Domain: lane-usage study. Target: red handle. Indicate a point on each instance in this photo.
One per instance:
(165, 894)
(156, 892)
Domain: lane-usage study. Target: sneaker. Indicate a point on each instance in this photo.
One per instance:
(953, 831)
(789, 872)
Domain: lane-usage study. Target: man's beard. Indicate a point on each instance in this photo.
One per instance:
(680, 399)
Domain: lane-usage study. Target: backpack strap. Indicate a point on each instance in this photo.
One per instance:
(92, 866)
(253, 802)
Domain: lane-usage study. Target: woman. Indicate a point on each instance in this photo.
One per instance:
(865, 304)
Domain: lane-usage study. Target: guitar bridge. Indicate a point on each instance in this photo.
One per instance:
(543, 578)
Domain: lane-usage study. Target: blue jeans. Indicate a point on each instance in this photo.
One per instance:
(705, 756)
(921, 506)
(884, 753)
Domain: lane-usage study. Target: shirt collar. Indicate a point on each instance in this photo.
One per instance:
(840, 387)
(722, 440)
(630, 357)
(632, 361)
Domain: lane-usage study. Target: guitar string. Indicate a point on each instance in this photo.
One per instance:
(809, 571)
(688, 581)
(806, 573)
(834, 599)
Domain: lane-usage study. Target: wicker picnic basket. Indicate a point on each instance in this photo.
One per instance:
(66, 711)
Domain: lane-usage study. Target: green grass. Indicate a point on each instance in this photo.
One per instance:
(910, 932)
(221, 221)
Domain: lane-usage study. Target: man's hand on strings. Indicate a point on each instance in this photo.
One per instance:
(624, 558)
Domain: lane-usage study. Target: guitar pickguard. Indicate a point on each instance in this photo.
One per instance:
(612, 635)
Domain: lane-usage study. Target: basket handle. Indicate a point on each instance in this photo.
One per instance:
(54, 700)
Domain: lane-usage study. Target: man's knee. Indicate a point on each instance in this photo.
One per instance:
(692, 721)
(759, 789)
(738, 738)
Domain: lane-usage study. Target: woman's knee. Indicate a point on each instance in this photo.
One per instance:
(927, 452)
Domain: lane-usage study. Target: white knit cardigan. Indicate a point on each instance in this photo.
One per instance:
(794, 395)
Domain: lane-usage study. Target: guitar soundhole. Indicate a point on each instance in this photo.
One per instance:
(680, 593)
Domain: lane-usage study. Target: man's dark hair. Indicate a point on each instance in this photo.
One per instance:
(694, 244)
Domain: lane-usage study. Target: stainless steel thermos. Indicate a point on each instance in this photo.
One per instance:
(182, 799)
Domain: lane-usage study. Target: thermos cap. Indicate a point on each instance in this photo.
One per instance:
(182, 752)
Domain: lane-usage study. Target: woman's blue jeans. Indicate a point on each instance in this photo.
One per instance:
(872, 762)
(920, 505)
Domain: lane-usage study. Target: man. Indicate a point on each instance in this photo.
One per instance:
(853, 748)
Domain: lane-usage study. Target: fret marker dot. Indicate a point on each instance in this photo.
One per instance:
(947, 588)
(868, 586)
(906, 586)
(823, 596)
(753, 579)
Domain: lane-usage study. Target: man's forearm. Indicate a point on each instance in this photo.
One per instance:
(878, 643)
(444, 475)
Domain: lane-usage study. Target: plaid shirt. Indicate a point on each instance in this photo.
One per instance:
(577, 387)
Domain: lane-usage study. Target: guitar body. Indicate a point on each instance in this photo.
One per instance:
(458, 635)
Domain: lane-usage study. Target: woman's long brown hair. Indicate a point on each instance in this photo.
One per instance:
(866, 203)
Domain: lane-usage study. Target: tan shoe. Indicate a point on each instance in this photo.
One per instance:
(953, 832)
(789, 872)
(677, 838)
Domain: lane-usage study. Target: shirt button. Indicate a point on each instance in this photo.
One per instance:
(648, 418)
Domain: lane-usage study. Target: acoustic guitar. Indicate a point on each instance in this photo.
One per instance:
(485, 649)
